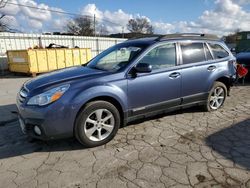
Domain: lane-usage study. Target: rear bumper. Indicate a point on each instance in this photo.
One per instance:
(232, 80)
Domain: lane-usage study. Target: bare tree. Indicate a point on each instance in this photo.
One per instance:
(83, 26)
(140, 25)
(3, 3)
(3, 24)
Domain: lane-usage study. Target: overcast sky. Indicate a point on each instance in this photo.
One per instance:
(208, 16)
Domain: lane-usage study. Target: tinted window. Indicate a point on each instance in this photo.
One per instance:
(192, 52)
(208, 54)
(161, 57)
(218, 51)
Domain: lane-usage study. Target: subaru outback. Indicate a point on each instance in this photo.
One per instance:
(134, 79)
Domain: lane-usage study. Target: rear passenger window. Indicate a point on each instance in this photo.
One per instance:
(218, 51)
(208, 54)
(192, 53)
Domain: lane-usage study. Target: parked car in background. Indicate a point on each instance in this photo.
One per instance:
(134, 79)
(243, 58)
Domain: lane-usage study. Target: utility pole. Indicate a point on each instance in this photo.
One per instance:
(122, 31)
(94, 26)
(101, 31)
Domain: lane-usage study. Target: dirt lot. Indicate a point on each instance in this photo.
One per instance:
(187, 148)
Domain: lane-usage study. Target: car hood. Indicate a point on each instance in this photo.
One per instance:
(63, 75)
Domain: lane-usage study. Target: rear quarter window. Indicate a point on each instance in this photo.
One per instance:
(218, 51)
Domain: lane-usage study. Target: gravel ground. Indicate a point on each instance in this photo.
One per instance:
(188, 148)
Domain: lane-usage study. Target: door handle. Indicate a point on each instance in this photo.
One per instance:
(211, 68)
(174, 75)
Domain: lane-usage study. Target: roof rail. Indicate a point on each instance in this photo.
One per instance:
(144, 36)
(189, 36)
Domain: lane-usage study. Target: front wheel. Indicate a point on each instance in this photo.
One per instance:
(216, 97)
(97, 123)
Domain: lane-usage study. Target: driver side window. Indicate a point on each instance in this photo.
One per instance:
(161, 57)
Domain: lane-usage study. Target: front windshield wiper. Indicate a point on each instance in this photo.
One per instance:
(97, 68)
(85, 64)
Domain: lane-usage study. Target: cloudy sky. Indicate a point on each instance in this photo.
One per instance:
(210, 16)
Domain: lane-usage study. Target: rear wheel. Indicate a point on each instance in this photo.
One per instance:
(216, 97)
(97, 123)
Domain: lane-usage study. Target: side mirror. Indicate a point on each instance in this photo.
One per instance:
(143, 68)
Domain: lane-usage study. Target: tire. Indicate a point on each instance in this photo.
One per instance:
(97, 123)
(217, 93)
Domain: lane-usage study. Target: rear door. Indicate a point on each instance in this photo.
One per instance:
(197, 65)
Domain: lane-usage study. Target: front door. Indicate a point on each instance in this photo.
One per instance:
(160, 88)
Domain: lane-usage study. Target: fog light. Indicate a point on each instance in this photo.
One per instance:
(37, 130)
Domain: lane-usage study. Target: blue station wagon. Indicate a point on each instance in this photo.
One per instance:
(134, 79)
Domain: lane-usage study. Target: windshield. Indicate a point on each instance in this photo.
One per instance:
(115, 58)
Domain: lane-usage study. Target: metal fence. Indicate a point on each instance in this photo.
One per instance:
(20, 41)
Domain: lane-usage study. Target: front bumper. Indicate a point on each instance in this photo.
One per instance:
(55, 121)
(28, 127)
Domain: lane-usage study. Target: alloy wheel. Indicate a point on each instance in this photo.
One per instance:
(99, 125)
(217, 98)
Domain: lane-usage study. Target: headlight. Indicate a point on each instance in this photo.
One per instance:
(48, 96)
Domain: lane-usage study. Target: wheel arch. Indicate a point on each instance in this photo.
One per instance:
(225, 80)
(106, 98)
(111, 100)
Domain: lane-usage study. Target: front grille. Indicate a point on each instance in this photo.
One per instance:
(23, 93)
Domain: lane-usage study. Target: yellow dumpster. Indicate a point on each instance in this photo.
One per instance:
(34, 61)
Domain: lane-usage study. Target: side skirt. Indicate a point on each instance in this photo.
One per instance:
(160, 112)
(165, 107)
